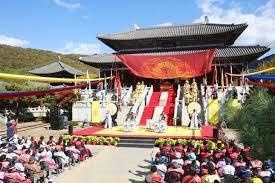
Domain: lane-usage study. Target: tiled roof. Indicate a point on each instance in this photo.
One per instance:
(221, 53)
(174, 31)
(100, 58)
(236, 51)
(56, 67)
(262, 61)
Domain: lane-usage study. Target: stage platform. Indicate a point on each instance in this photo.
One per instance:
(141, 132)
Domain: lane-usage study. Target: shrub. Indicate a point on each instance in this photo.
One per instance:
(94, 140)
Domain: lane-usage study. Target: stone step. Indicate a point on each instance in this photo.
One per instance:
(147, 141)
(141, 145)
(136, 142)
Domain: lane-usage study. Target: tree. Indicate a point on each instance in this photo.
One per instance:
(256, 123)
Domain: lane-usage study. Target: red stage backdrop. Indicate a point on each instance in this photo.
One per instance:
(169, 66)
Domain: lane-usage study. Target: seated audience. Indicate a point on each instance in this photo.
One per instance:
(224, 162)
(27, 160)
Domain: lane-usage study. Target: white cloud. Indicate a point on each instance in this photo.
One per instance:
(67, 5)
(13, 41)
(261, 22)
(136, 26)
(164, 24)
(81, 48)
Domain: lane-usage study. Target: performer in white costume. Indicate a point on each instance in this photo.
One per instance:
(130, 122)
(161, 125)
(185, 120)
(194, 120)
(108, 120)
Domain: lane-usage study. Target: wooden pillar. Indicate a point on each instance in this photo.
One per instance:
(226, 80)
(222, 78)
(231, 72)
(242, 79)
(216, 75)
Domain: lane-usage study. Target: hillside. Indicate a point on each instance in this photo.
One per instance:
(21, 60)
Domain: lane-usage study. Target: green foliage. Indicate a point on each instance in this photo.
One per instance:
(3, 87)
(94, 140)
(25, 86)
(18, 60)
(48, 101)
(267, 65)
(212, 145)
(25, 116)
(230, 108)
(55, 118)
(74, 123)
(256, 122)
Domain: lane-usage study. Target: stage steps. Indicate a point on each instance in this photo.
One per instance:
(136, 142)
(149, 109)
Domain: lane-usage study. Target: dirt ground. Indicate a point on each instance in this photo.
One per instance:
(36, 132)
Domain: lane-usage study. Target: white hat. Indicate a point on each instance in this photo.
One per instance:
(178, 155)
(162, 168)
(19, 167)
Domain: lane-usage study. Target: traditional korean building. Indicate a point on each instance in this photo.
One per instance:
(177, 40)
(57, 69)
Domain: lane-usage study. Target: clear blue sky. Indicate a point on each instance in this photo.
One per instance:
(51, 24)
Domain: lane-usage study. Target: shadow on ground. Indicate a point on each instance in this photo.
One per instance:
(141, 173)
(135, 181)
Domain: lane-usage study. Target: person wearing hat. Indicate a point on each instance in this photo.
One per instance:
(153, 176)
(174, 174)
(34, 169)
(244, 174)
(162, 169)
(256, 177)
(162, 160)
(229, 172)
(266, 173)
(228, 169)
(212, 176)
(178, 161)
(192, 176)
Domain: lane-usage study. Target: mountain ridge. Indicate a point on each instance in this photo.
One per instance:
(18, 60)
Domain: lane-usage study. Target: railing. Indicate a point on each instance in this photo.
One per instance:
(148, 98)
(140, 111)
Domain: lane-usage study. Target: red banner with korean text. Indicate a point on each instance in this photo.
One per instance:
(169, 66)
